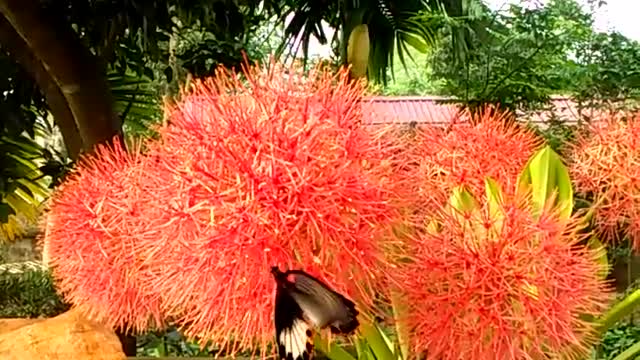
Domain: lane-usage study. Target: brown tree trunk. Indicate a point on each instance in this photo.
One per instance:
(71, 65)
(18, 49)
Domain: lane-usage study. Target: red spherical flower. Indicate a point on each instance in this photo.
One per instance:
(605, 164)
(507, 287)
(472, 147)
(271, 168)
(95, 219)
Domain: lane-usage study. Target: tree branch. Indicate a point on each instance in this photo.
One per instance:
(75, 70)
(18, 49)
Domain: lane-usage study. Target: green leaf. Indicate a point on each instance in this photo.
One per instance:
(415, 42)
(386, 339)
(22, 206)
(494, 201)
(376, 340)
(366, 353)
(546, 176)
(5, 212)
(399, 310)
(25, 189)
(360, 346)
(433, 227)
(333, 351)
(595, 244)
(37, 188)
(462, 200)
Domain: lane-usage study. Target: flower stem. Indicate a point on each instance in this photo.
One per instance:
(618, 311)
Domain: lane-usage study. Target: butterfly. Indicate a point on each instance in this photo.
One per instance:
(304, 303)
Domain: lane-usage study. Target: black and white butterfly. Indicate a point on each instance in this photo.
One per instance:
(303, 304)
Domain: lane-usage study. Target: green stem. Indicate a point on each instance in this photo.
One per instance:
(629, 281)
(630, 353)
(618, 311)
(398, 310)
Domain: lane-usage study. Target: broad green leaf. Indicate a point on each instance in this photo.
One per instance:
(333, 350)
(376, 341)
(367, 354)
(415, 42)
(595, 244)
(386, 339)
(466, 209)
(38, 188)
(433, 227)
(360, 346)
(545, 175)
(462, 200)
(5, 211)
(493, 191)
(20, 205)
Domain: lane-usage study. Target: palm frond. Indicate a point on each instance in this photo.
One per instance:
(306, 22)
(23, 186)
(396, 26)
(136, 102)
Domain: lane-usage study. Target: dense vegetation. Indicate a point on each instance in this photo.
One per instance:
(529, 54)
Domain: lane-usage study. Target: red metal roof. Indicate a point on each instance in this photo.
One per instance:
(430, 109)
(379, 110)
(407, 109)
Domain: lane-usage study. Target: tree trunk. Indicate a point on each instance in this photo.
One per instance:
(20, 52)
(71, 65)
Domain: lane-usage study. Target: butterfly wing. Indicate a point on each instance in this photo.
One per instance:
(293, 332)
(321, 305)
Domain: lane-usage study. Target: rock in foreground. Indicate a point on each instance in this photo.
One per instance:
(66, 336)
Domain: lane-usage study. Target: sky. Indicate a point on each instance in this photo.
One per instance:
(619, 15)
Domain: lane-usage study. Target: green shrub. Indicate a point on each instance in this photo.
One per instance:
(618, 339)
(27, 291)
(168, 343)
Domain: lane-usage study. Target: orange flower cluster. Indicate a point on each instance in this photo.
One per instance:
(475, 146)
(605, 163)
(273, 168)
(96, 219)
(481, 290)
